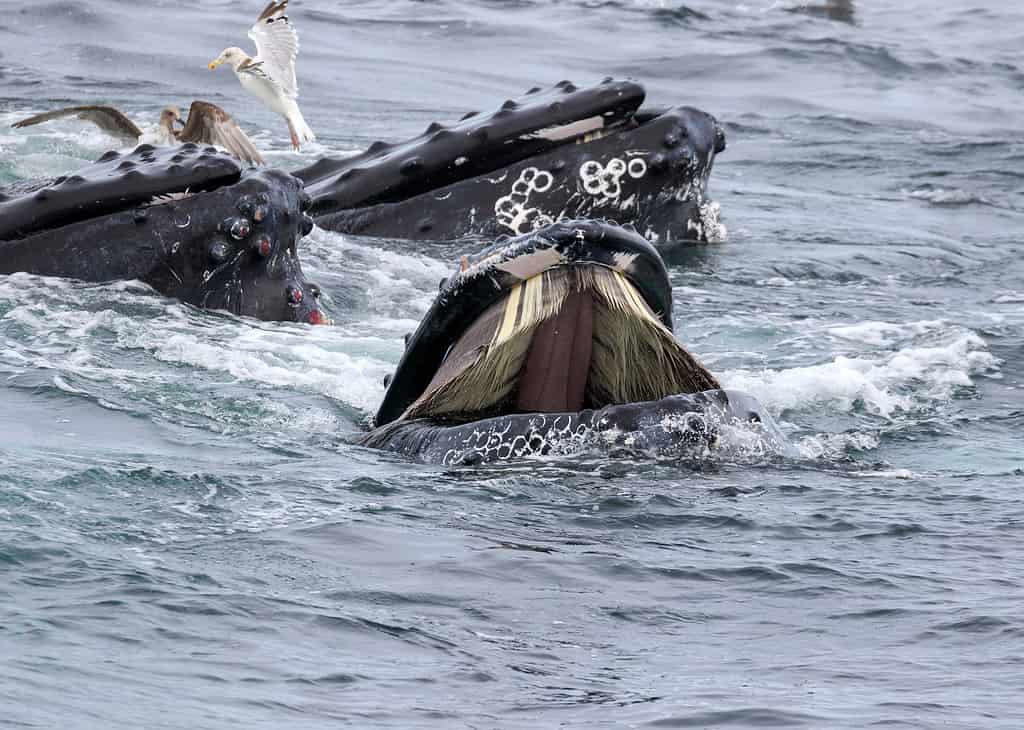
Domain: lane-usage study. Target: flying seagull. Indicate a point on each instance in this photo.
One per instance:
(207, 124)
(270, 76)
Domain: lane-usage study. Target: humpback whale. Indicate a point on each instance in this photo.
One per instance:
(550, 155)
(186, 220)
(191, 223)
(554, 342)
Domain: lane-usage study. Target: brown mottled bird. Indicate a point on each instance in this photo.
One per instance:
(207, 124)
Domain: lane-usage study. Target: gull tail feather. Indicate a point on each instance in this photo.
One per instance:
(298, 128)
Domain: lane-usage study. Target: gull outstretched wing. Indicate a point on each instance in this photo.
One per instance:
(107, 118)
(277, 45)
(209, 124)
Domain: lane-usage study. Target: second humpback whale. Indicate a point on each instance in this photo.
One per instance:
(557, 342)
(551, 155)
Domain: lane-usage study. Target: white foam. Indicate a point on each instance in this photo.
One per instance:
(66, 334)
(881, 385)
(780, 281)
(295, 359)
(840, 384)
(62, 145)
(9, 141)
(885, 333)
(943, 196)
(832, 446)
(53, 148)
(314, 149)
(747, 442)
(711, 221)
(887, 474)
(310, 420)
(396, 285)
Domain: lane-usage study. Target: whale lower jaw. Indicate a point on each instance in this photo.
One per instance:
(684, 426)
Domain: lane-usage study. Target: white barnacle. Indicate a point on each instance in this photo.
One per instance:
(603, 181)
(637, 167)
(512, 210)
(543, 181)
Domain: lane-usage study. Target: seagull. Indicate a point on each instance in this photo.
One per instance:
(270, 76)
(207, 124)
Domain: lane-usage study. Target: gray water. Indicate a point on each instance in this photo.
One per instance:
(187, 539)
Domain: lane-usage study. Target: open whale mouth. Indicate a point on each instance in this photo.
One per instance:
(576, 318)
(573, 337)
(559, 342)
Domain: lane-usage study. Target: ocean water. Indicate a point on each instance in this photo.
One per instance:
(187, 539)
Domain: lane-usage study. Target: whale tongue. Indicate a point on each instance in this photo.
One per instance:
(554, 377)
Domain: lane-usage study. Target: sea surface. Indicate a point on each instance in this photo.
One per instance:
(188, 539)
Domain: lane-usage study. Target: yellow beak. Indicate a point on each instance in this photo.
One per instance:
(214, 64)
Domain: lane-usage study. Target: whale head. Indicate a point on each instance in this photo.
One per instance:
(187, 220)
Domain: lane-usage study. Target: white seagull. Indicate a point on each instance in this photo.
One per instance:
(270, 76)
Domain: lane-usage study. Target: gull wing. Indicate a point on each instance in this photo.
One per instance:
(277, 45)
(209, 124)
(107, 118)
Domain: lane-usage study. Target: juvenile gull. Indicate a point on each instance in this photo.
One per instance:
(270, 76)
(207, 124)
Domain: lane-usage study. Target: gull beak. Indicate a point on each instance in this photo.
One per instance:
(178, 121)
(214, 64)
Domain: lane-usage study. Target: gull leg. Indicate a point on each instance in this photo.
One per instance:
(294, 134)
